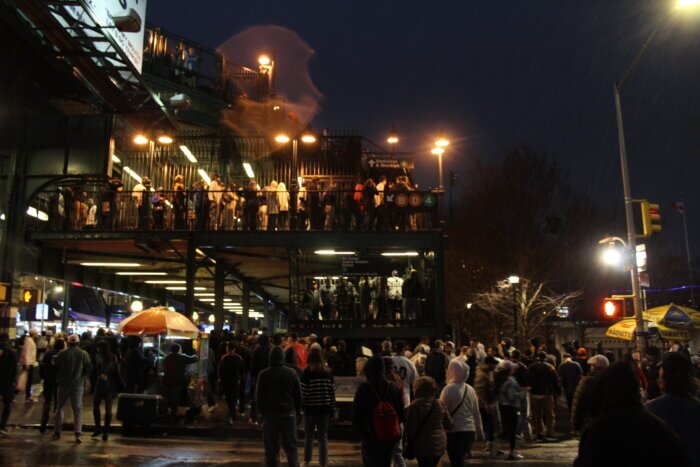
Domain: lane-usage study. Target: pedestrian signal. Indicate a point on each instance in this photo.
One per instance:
(614, 307)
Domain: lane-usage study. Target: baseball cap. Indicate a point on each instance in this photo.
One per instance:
(599, 361)
(73, 339)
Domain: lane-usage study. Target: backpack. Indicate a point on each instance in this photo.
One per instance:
(385, 420)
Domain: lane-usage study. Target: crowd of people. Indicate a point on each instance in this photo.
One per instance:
(413, 402)
(217, 205)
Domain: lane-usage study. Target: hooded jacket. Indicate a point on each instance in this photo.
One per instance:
(278, 391)
(271, 195)
(463, 408)
(369, 394)
(429, 440)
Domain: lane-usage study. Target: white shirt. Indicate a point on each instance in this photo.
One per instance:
(467, 417)
(92, 215)
(215, 191)
(28, 355)
(394, 286)
(379, 197)
(408, 372)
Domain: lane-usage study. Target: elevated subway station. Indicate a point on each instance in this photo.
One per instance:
(75, 101)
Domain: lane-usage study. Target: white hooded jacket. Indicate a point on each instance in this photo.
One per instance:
(466, 417)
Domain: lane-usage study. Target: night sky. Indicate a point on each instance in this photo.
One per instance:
(492, 74)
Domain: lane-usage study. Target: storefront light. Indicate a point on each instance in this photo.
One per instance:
(133, 174)
(107, 264)
(333, 252)
(400, 253)
(141, 273)
(248, 170)
(165, 282)
(188, 154)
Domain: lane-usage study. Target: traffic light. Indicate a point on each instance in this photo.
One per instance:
(614, 307)
(651, 218)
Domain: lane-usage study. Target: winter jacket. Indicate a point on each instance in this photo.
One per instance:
(73, 366)
(174, 367)
(544, 380)
(260, 359)
(318, 392)
(278, 390)
(48, 370)
(683, 416)
(8, 368)
(463, 408)
(430, 440)
(584, 406)
(111, 383)
(231, 370)
(629, 436)
(485, 386)
(369, 394)
(510, 393)
(436, 366)
(570, 374)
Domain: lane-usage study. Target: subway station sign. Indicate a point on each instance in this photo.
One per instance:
(124, 21)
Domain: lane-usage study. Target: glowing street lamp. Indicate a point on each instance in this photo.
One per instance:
(306, 137)
(264, 60)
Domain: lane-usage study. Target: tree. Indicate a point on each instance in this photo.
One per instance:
(521, 215)
(532, 301)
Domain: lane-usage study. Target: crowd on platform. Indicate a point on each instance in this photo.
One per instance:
(216, 205)
(417, 402)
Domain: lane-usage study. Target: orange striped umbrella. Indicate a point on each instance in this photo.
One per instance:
(159, 320)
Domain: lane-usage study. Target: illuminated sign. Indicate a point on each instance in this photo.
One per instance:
(124, 21)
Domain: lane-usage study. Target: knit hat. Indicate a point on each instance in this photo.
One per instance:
(73, 339)
(599, 361)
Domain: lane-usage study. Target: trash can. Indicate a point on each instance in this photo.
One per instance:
(138, 409)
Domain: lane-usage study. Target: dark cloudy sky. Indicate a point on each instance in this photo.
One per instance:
(495, 73)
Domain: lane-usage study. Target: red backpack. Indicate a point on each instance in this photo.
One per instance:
(387, 428)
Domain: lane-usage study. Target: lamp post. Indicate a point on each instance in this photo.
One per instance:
(629, 215)
(306, 137)
(393, 139)
(142, 140)
(513, 281)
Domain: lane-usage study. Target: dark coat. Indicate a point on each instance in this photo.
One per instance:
(278, 390)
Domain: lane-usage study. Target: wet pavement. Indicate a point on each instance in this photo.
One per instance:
(27, 447)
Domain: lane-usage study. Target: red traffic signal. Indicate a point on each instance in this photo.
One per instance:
(614, 308)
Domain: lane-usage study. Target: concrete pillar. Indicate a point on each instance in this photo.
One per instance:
(219, 277)
(191, 270)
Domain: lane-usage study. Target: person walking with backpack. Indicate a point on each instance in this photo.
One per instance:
(461, 401)
(73, 367)
(318, 395)
(426, 422)
(377, 414)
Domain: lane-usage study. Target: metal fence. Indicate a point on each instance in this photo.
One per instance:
(77, 209)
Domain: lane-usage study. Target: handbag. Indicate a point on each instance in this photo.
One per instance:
(409, 450)
(452, 414)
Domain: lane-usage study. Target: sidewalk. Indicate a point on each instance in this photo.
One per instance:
(214, 424)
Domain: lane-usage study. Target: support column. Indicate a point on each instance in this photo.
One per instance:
(191, 270)
(245, 301)
(219, 277)
(293, 284)
(66, 306)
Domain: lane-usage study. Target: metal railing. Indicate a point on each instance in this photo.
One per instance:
(75, 209)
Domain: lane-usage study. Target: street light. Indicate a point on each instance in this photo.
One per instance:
(629, 215)
(306, 137)
(393, 138)
(513, 281)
